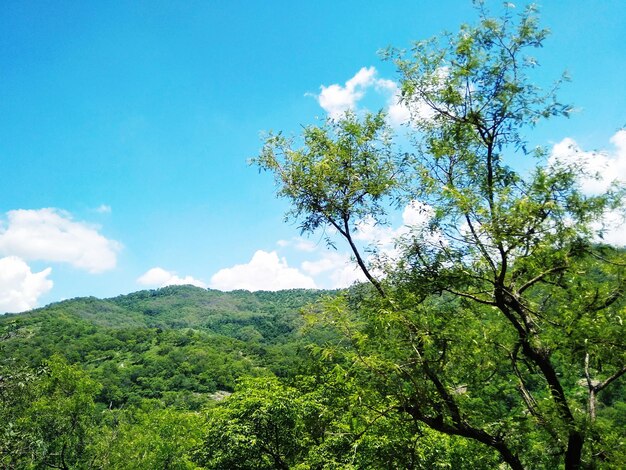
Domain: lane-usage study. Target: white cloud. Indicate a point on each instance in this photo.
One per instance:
(415, 216)
(159, 277)
(336, 99)
(368, 231)
(51, 235)
(325, 264)
(342, 271)
(103, 209)
(19, 287)
(613, 228)
(600, 170)
(265, 271)
(397, 111)
(299, 243)
(323, 268)
(302, 244)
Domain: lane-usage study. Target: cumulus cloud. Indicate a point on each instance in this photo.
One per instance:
(397, 111)
(20, 288)
(600, 170)
(51, 235)
(613, 227)
(159, 277)
(336, 99)
(340, 269)
(265, 271)
(415, 216)
(322, 268)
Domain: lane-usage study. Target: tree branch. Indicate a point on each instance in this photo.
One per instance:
(539, 277)
(601, 386)
(472, 297)
(345, 231)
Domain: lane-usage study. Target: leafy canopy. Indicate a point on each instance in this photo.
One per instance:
(500, 320)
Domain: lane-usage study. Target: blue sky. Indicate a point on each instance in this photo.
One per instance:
(126, 127)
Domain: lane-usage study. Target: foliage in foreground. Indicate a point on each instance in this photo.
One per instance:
(49, 418)
(498, 318)
(491, 337)
(323, 423)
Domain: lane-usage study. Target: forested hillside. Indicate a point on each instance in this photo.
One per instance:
(90, 383)
(177, 344)
(139, 381)
(489, 333)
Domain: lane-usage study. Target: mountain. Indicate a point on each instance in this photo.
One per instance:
(178, 344)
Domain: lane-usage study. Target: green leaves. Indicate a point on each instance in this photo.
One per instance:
(50, 417)
(260, 426)
(343, 172)
(486, 328)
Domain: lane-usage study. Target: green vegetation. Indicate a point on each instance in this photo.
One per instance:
(499, 319)
(176, 344)
(492, 337)
(120, 383)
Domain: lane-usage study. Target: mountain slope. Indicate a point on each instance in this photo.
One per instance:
(176, 344)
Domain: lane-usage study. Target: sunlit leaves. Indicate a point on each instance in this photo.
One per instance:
(343, 172)
(485, 328)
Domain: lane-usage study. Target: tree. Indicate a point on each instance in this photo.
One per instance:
(49, 418)
(149, 436)
(321, 421)
(340, 176)
(260, 427)
(500, 319)
(17, 390)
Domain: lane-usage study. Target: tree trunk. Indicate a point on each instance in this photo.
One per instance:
(574, 451)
